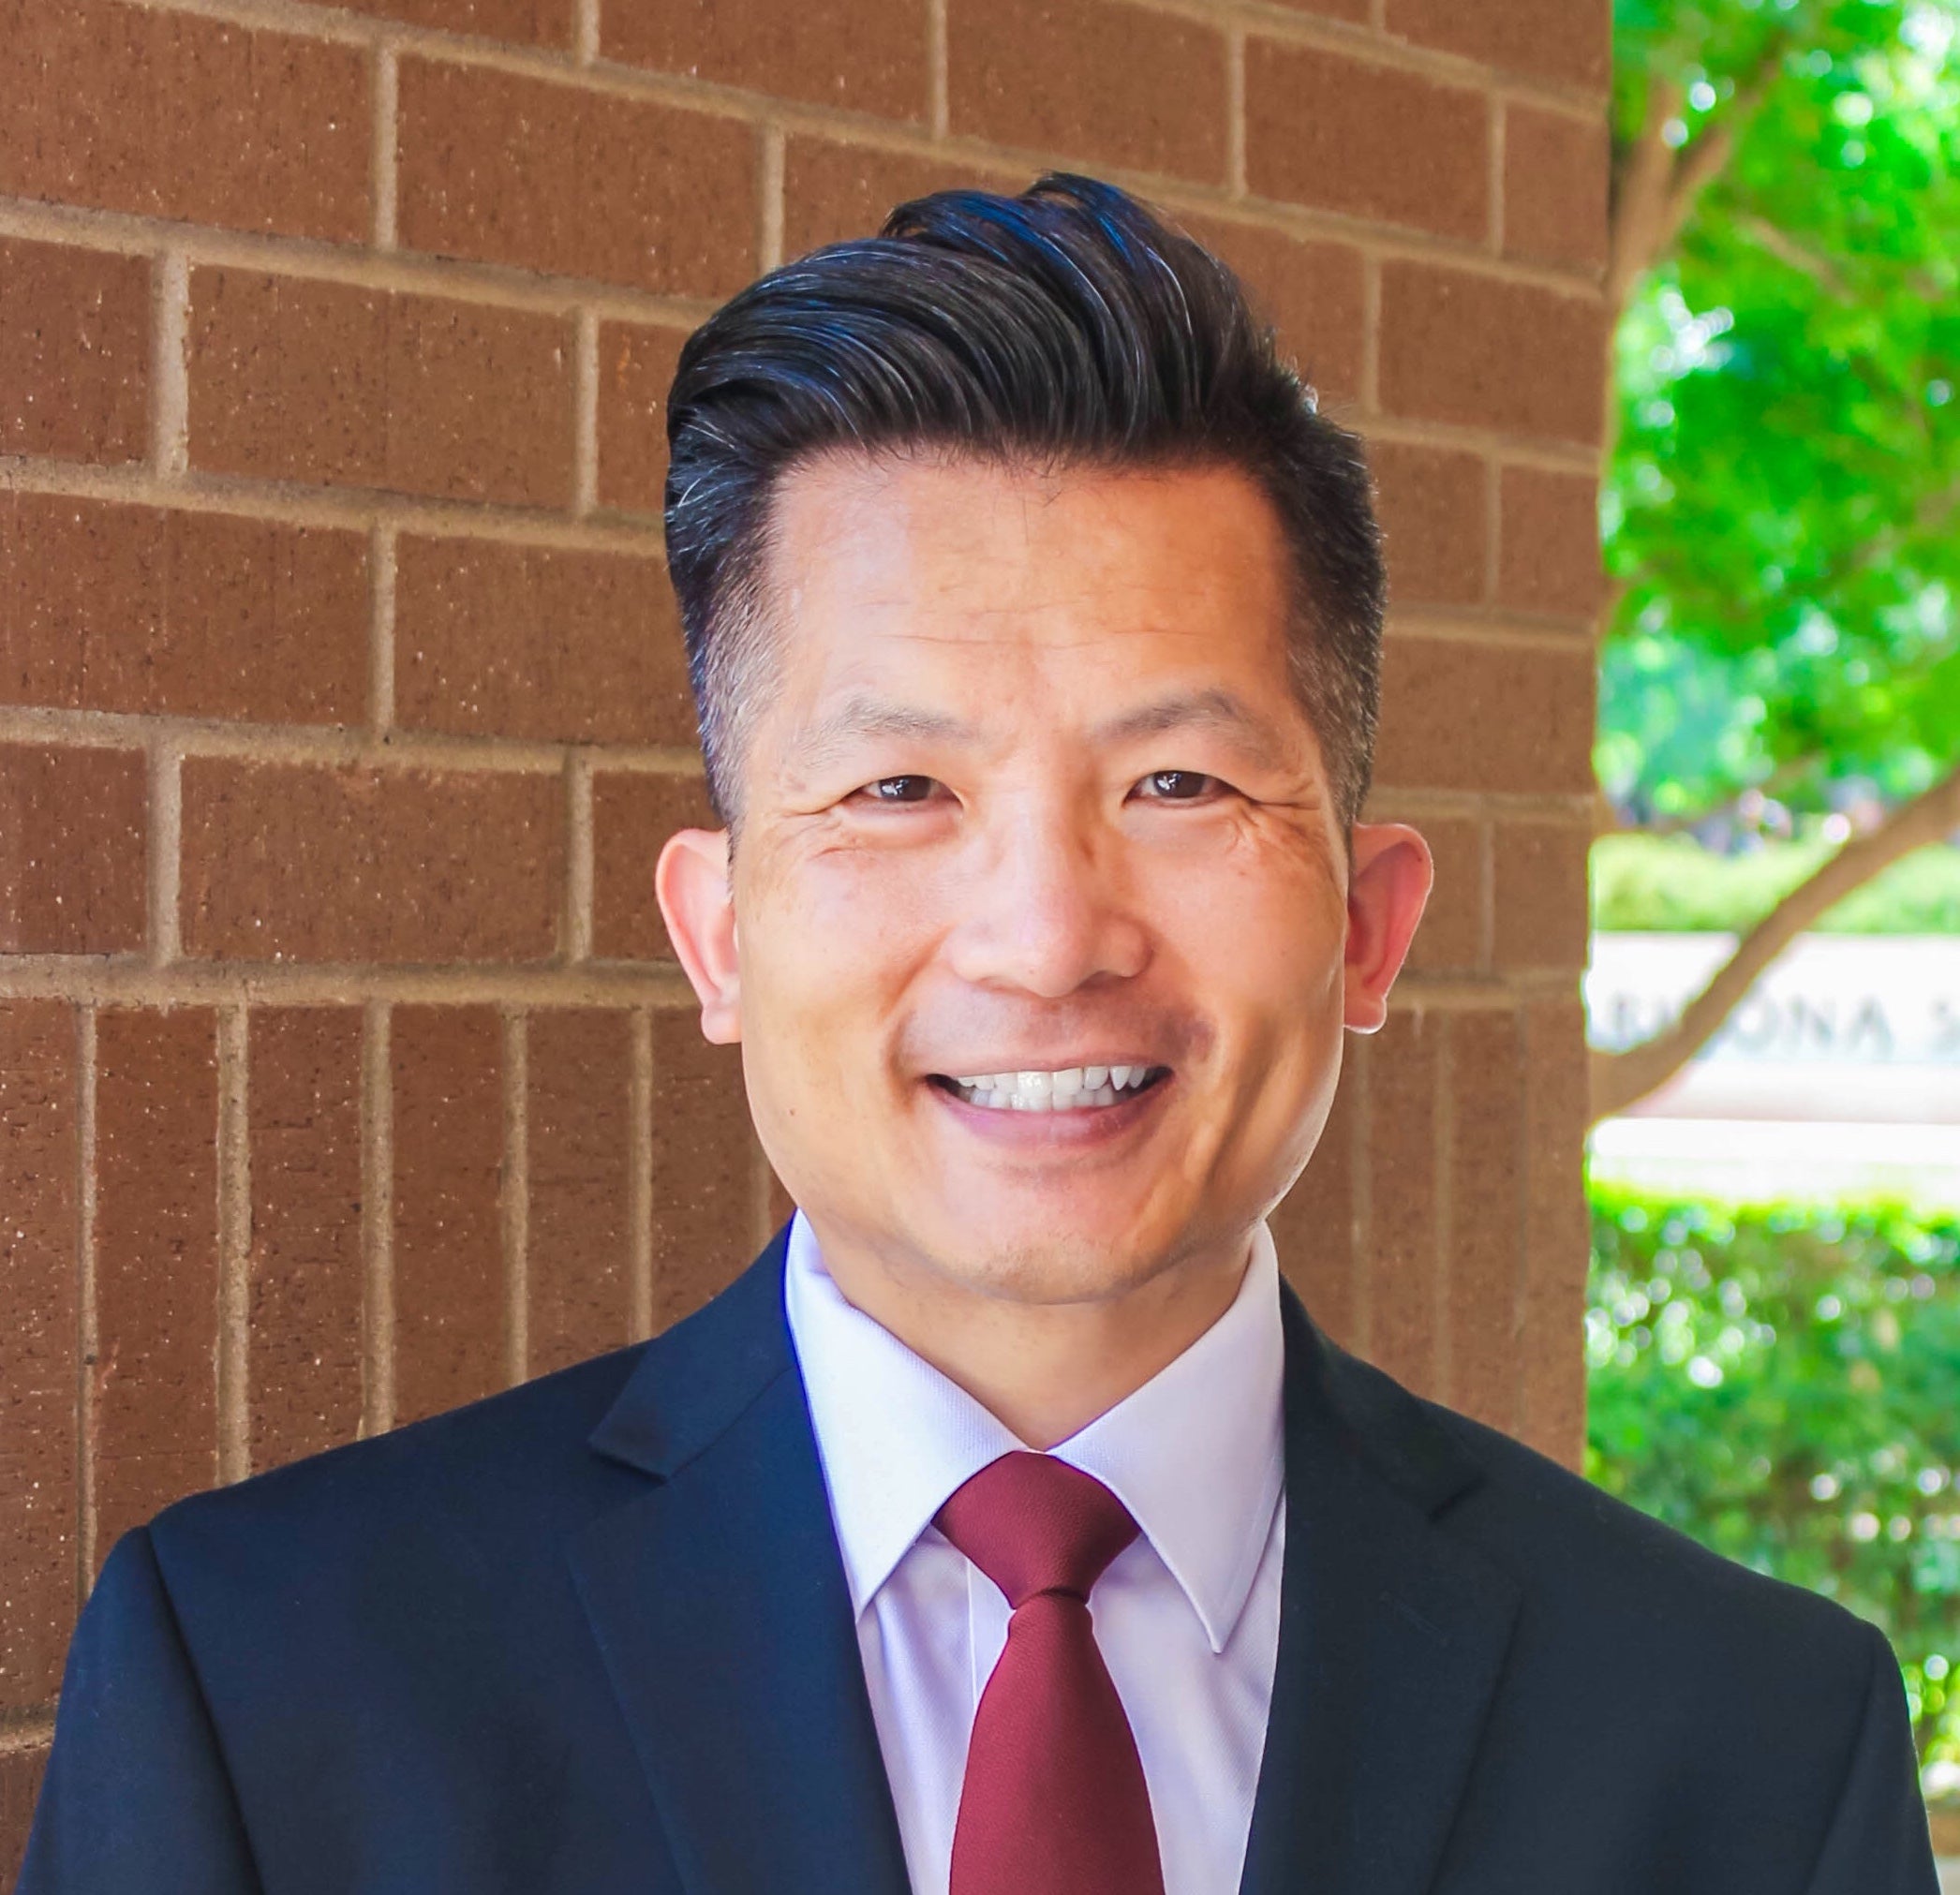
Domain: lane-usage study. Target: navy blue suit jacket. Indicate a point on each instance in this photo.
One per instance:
(593, 1636)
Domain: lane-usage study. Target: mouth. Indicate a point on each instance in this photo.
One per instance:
(1066, 1089)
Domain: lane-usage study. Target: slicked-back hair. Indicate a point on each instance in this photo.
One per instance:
(1065, 327)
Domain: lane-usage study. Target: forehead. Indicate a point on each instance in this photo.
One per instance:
(957, 561)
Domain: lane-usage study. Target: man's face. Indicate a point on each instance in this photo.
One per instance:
(1032, 795)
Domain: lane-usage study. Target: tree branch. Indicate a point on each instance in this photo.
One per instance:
(1620, 1079)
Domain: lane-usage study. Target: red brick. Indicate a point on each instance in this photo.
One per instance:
(20, 1772)
(38, 1365)
(1485, 1245)
(832, 192)
(509, 169)
(1345, 135)
(494, 639)
(1482, 353)
(293, 379)
(326, 863)
(1403, 1201)
(1569, 40)
(703, 1202)
(531, 23)
(1434, 514)
(1314, 1226)
(449, 1302)
(1541, 918)
(156, 1279)
(1555, 181)
(1450, 938)
(635, 370)
(1551, 1396)
(107, 607)
(73, 830)
(578, 1256)
(74, 353)
(168, 114)
(1111, 84)
(1549, 563)
(633, 816)
(859, 55)
(1311, 292)
(306, 1290)
(1458, 715)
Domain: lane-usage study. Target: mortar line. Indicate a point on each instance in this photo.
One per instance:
(329, 745)
(87, 1312)
(770, 213)
(585, 33)
(578, 857)
(938, 84)
(584, 413)
(353, 508)
(516, 1194)
(380, 647)
(385, 157)
(562, 64)
(639, 1178)
(169, 365)
(130, 982)
(166, 837)
(511, 285)
(377, 1219)
(1497, 122)
(234, 1237)
(26, 1730)
(1235, 111)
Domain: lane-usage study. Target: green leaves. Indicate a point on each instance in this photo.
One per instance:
(1779, 1382)
(1782, 507)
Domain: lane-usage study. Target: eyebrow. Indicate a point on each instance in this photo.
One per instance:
(1212, 708)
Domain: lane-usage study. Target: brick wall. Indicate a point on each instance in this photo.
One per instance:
(345, 1073)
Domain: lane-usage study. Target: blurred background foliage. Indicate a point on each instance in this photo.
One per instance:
(1782, 507)
(1779, 1382)
(1779, 748)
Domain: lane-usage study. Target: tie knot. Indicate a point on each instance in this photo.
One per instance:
(1035, 1524)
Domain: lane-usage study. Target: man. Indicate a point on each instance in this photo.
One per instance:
(1007, 1529)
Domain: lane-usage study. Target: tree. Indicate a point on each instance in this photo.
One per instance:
(1781, 504)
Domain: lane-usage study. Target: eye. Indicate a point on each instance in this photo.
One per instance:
(1181, 786)
(889, 791)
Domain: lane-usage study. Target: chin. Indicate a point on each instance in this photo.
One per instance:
(1049, 1266)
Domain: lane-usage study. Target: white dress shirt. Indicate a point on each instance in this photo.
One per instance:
(1187, 1617)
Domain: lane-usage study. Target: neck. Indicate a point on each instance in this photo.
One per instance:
(1045, 1369)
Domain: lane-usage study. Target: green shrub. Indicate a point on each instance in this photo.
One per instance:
(1671, 884)
(1783, 1384)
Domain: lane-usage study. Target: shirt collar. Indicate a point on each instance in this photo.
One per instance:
(1195, 1454)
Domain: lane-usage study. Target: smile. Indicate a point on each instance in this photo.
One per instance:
(1071, 1088)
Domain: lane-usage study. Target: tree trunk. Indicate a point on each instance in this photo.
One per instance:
(1619, 1079)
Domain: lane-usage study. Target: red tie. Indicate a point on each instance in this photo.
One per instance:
(1054, 1800)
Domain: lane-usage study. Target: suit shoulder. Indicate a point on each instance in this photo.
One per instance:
(1635, 1576)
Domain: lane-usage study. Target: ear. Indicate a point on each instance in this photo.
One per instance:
(1386, 894)
(692, 883)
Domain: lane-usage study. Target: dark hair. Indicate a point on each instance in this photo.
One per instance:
(1065, 326)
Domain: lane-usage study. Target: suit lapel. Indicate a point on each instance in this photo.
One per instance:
(718, 1601)
(1392, 1636)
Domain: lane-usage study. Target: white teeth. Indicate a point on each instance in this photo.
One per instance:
(1069, 1089)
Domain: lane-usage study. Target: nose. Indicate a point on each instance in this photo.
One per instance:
(1046, 906)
